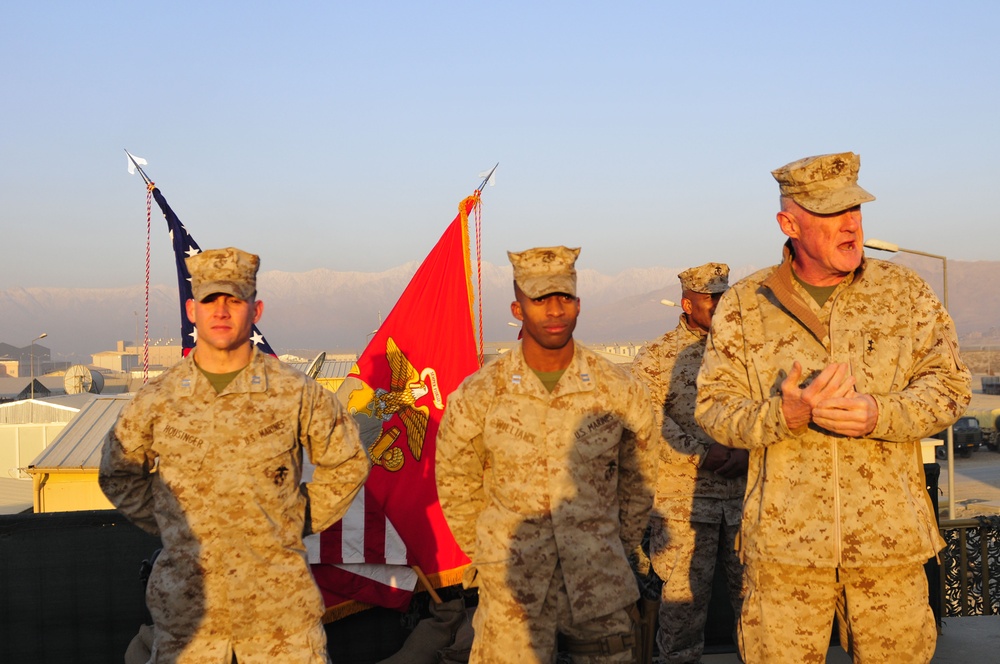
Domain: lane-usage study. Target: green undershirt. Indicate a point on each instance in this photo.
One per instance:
(549, 378)
(219, 381)
(819, 293)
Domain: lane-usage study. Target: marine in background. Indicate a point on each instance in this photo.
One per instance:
(700, 483)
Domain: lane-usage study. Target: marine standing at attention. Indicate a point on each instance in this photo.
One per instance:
(208, 456)
(546, 460)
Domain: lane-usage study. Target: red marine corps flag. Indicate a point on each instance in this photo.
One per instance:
(397, 392)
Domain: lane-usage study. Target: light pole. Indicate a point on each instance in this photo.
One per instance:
(32, 358)
(882, 245)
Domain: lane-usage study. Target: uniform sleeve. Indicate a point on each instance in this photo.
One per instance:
(127, 464)
(679, 446)
(726, 407)
(637, 462)
(331, 438)
(940, 385)
(461, 460)
(675, 446)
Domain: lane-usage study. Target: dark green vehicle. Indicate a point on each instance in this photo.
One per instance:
(968, 436)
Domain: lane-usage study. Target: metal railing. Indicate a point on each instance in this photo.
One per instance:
(970, 567)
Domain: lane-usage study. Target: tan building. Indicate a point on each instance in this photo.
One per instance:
(17, 361)
(161, 353)
(64, 475)
(113, 360)
(27, 427)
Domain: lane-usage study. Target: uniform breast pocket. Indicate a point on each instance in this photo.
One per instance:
(276, 461)
(881, 361)
(178, 449)
(597, 443)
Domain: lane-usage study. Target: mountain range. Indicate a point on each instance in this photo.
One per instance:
(337, 311)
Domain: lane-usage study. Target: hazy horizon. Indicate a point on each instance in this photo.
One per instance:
(336, 311)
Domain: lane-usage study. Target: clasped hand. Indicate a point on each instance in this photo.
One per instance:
(830, 401)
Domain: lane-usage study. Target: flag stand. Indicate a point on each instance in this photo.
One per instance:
(427, 584)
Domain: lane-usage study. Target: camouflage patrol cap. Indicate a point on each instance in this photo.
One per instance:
(545, 270)
(230, 271)
(825, 184)
(707, 278)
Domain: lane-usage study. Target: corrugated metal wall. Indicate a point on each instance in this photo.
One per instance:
(21, 443)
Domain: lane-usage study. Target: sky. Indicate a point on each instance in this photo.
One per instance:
(343, 135)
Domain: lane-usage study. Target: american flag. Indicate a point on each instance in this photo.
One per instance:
(184, 246)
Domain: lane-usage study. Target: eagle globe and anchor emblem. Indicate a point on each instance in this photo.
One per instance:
(406, 387)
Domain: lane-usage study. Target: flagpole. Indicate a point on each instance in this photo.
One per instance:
(479, 260)
(145, 336)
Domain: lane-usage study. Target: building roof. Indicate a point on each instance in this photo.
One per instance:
(330, 368)
(78, 446)
(11, 386)
(36, 411)
(74, 401)
(16, 496)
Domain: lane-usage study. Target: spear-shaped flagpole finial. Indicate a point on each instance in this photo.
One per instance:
(139, 168)
(487, 178)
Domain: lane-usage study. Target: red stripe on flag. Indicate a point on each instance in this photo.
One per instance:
(331, 549)
(374, 533)
(338, 586)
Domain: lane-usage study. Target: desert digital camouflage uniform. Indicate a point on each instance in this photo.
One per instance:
(546, 492)
(693, 505)
(841, 505)
(217, 477)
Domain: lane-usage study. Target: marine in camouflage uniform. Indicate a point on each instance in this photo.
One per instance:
(215, 472)
(545, 468)
(700, 483)
(830, 368)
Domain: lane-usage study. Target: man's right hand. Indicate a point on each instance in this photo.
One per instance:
(715, 457)
(797, 403)
(736, 465)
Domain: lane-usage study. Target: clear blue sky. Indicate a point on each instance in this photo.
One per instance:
(343, 135)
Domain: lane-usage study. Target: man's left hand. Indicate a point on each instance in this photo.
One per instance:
(854, 415)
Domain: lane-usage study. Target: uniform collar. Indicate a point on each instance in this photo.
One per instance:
(684, 325)
(577, 377)
(781, 283)
(253, 378)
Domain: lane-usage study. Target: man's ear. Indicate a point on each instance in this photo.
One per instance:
(189, 309)
(686, 305)
(788, 224)
(515, 310)
(258, 310)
